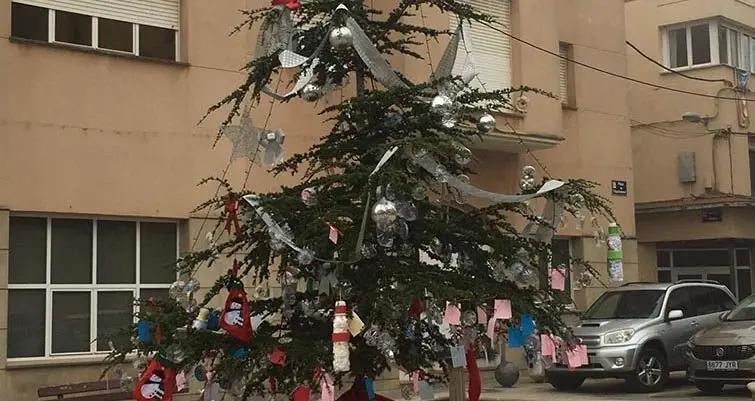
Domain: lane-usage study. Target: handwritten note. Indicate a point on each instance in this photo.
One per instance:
(577, 357)
(482, 316)
(458, 357)
(453, 315)
(547, 345)
(502, 309)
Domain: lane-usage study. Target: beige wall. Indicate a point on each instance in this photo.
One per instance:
(659, 134)
(93, 134)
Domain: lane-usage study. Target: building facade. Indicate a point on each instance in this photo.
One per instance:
(692, 150)
(101, 151)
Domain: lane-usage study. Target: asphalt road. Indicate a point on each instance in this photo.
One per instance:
(609, 390)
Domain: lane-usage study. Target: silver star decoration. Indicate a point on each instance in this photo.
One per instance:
(244, 138)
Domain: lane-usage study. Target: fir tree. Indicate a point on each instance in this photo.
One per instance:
(406, 242)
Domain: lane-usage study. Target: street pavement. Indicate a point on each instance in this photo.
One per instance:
(678, 389)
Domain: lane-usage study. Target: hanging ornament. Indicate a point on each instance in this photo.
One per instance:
(393, 119)
(289, 4)
(580, 220)
(597, 232)
(236, 318)
(527, 181)
(387, 345)
(613, 243)
(200, 323)
(271, 143)
(441, 174)
(371, 336)
(341, 38)
(341, 339)
(157, 382)
(176, 289)
(311, 93)
(385, 236)
(442, 104)
(469, 318)
(577, 201)
(486, 123)
(305, 257)
(368, 251)
(309, 196)
(419, 192)
(406, 210)
(384, 213)
(462, 154)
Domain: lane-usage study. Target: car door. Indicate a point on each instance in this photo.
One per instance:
(680, 330)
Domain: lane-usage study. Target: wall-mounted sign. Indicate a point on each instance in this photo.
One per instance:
(712, 215)
(619, 187)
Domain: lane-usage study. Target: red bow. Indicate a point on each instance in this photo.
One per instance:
(290, 4)
(232, 212)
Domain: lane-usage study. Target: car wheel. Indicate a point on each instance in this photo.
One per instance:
(651, 372)
(709, 387)
(565, 382)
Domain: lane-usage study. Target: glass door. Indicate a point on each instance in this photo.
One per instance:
(721, 274)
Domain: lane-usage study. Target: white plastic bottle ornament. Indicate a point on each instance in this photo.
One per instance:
(613, 243)
(341, 339)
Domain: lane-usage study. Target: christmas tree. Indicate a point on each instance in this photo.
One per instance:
(381, 261)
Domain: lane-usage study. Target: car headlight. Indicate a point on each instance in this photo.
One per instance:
(618, 337)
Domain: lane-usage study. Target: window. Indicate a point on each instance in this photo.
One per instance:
(679, 299)
(709, 43)
(129, 26)
(565, 76)
(491, 49)
(706, 300)
(72, 281)
(689, 45)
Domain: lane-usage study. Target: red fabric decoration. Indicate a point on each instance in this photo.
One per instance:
(301, 393)
(232, 214)
(475, 383)
(236, 319)
(156, 383)
(359, 394)
(278, 357)
(290, 4)
(416, 309)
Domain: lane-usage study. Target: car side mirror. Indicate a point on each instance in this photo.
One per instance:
(675, 314)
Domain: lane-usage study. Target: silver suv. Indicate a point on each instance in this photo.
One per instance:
(639, 332)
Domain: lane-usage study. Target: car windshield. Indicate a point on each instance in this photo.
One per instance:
(634, 304)
(744, 311)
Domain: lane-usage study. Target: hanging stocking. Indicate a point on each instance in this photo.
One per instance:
(157, 382)
(236, 319)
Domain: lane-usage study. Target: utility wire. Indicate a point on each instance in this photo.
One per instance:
(652, 60)
(606, 72)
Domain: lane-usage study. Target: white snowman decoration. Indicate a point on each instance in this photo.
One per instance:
(153, 388)
(233, 314)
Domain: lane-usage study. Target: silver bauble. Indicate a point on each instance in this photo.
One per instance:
(310, 92)
(506, 374)
(384, 213)
(341, 37)
(442, 104)
(486, 123)
(462, 154)
(528, 171)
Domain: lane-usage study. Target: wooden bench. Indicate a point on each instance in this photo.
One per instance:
(107, 390)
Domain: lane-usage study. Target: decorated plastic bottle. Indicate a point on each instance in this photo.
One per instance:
(615, 264)
(200, 322)
(341, 339)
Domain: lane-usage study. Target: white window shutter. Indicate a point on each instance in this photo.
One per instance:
(159, 13)
(491, 50)
(563, 75)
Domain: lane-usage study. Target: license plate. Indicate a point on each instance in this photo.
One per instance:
(721, 365)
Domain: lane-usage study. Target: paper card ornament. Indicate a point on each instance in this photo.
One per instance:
(547, 345)
(369, 387)
(356, 325)
(301, 393)
(181, 381)
(278, 357)
(327, 388)
(155, 383)
(482, 316)
(577, 357)
(502, 309)
(452, 315)
(236, 318)
(458, 357)
(426, 391)
(142, 331)
(333, 234)
(558, 279)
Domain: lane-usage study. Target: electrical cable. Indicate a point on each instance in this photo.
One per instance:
(641, 53)
(603, 71)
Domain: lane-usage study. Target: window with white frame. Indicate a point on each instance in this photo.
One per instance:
(713, 42)
(72, 282)
(145, 29)
(491, 50)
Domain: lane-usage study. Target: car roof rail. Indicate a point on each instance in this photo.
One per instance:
(638, 283)
(698, 281)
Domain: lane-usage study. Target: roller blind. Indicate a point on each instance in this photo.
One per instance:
(491, 50)
(563, 75)
(159, 13)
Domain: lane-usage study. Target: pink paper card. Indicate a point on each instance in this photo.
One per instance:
(334, 233)
(453, 315)
(547, 346)
(415, 381)
(558, 279)
(577, 357)
(327, 389)
(482, 317)
(502, 309)
(180, 380)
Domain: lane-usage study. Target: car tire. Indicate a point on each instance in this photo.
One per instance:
(709, 387)
(651, 372)
(565, 382)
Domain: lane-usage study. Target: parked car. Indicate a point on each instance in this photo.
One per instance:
(725, 353)
(639, 332)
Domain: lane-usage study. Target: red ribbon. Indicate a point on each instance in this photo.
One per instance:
(232, 214)
(290, 4)
(475, 383)
(158, 331)
(341, 309)
(340, 337)
(235, 270)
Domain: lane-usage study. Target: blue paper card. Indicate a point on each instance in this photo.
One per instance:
(458, 357)
(369, 388)
(142, 331)
(426, 391)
